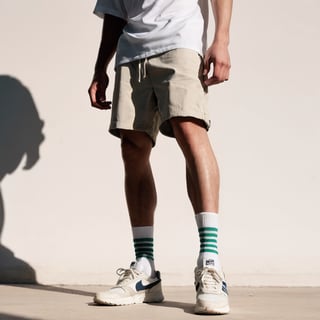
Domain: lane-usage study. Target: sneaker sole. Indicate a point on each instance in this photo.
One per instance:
(120, 302)
(207, 309)
(136, 299)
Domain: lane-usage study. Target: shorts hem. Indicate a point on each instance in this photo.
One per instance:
(115, 131)
(166, 128)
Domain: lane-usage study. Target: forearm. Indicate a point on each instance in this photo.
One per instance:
(222, 10)
(111, 32)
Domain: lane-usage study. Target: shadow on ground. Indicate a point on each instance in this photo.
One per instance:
(59, 289)
(186, 307)
(5, 316)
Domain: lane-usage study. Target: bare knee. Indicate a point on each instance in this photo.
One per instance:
(189, 131)
(135, 148)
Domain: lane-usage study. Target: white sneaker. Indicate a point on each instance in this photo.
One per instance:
(212, 293)
(132, 287)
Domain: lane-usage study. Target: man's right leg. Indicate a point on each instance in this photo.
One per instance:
(140, 283)
(139, 184)
(140, 194)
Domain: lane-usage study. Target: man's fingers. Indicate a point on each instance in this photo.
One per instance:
(103, 105)
(212, 81)
(220, 71)
(206, 65)
(220, 74)
(100, 103)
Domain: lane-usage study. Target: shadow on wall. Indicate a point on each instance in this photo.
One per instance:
(20, 135)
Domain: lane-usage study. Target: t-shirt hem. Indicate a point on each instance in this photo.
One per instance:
(100, 11)
(144, 55)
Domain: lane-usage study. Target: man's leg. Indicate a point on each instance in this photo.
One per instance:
(139, 184)
(202, 176)
(140, 283)
(140, 194)
(203, 189)
(201, 165)
(202, 183)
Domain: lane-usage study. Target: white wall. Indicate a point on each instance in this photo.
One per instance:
(65, 218)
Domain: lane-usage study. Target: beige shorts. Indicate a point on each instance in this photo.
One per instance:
(151, 91)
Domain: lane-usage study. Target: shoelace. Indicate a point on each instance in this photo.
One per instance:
(125, 275)
(209, 279)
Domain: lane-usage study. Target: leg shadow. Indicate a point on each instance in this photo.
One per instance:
(59, 289)
(20, 136)
(5, 316)
(186, 307)
(13, 269)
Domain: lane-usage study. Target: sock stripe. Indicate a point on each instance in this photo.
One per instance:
(137, 245)
(143, 240)
(208, 240)
(208, 229)
(146, 250)
(202, 234)
(206, 245)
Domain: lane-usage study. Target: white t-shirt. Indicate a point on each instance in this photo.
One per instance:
(156, 26)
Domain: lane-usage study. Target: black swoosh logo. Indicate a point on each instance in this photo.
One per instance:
(141, 287)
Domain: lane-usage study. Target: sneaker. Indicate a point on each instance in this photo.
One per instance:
(212, 293)
(132, 287)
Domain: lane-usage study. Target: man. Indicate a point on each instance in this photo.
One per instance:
(161, 85)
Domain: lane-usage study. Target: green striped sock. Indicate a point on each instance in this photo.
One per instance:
(207, 223)
(143, 248)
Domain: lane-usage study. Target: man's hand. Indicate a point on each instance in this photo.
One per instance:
(217, 61)
(111, 32)
(97, 91)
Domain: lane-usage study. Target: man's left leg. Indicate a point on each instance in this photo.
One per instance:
(202, 175)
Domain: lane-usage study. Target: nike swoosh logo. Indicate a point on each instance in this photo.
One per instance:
(140, 286)
(224, 287)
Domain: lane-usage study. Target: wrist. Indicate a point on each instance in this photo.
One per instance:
(99, 76)
(100, 71)
(221, 38)
(101, 66)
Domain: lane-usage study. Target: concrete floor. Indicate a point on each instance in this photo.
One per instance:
(27, 302)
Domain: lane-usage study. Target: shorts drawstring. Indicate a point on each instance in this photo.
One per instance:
(142, 69)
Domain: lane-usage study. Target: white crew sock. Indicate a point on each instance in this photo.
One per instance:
(208, 226)
(143, 246)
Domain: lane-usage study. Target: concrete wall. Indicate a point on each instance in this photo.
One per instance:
(65, 218)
